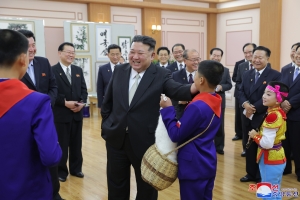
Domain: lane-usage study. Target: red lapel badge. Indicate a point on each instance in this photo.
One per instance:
(77, 75)
(43, 74)
(264, 82)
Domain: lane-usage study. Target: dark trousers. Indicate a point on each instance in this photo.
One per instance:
(220, 136)
(118, 174)
(238, 119)
(70, 140)
(55, 182)
(244, 132)
(292, 145)
(252, 168)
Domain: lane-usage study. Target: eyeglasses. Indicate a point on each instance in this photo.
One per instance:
(177, 52)
(163, 55)
(194, 59)
(69, 52)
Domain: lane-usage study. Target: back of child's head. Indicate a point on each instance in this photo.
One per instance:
(277, 87)
(212, 71)
(12, 45)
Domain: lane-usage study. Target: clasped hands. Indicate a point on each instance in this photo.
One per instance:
(250, 109)
(286, 106)
(74, 105)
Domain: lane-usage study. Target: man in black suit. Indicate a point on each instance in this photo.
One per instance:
(216, 54)
(251, 91)
(291, 77)
(72, 96)
(105, 71)
(292, 55)
(177, 51)
(243, 67)
(39, 77)
(186, 76)
(130, 113)
(163, 55)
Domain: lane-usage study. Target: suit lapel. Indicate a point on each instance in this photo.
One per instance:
(63, 75)
(184, 77)
(109, 69)
(143, 85)
(292, 76)
(261, 80)
(37, 72)
(124, 80)
(27, 77)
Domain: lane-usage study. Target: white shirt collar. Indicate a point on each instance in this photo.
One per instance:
(112, 65)
(293, 64)
(261, 71)
(165, 65)
(65, 67)
(178, 63)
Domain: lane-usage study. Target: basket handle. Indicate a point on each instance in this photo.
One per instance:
(191, 138)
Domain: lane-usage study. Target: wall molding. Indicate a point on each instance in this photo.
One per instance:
(239, 21)
(183, 22)
(122, 18)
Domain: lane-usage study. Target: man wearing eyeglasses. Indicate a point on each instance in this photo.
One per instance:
(71, 98)
(186, 76)
(225, 85)
(105, 71)
(177, 51)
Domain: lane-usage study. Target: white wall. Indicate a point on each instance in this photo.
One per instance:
(237, 3)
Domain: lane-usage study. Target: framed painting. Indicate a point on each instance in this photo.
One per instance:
(80, 37)
(103, 40)
(85, 61)
(17, 25)
(124, 42)
(97, 66)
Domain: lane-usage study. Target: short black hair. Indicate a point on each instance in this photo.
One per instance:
(253, 44)
(217, 49)
(212, 71)
(163, 48)
(12, 45)
(283, 87)
(27, 33)
(178, 44)
(265, 49)
(113, 46)
(296, 44)
(297, 47)
(61, 47)
(145, 40)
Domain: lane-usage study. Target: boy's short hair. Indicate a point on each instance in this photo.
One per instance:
(12, 45)
(27, 33)
(283, 88)
(212, 71)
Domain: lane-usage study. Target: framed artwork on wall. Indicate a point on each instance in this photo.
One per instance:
(80, 37)
(17, 25)
(125, 42)
(103, 40)
(97, 66)
(85, 61)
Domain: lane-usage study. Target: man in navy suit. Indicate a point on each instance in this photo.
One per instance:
(105, 71)
(292, 54)
(251, 91)
(39, 77)
(216, 54)
(186, 76)
(163, 55)
(242, 68)
(291, 77)
(177, 51)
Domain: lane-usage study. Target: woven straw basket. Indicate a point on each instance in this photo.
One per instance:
(157, 170)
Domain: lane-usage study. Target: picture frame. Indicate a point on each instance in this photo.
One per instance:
(124, 42)
(103, 40)
(85, 63)
(17, 24)
(97, 66)
(80, 37)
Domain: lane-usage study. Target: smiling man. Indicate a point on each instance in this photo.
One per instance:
(130, 113)
(177, 51)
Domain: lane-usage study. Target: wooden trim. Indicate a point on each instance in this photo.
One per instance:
(239, 8)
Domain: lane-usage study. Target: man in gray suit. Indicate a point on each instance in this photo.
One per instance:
(243, 67)
(225, 85)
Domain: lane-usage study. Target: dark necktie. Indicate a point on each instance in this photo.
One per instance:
(251, 66)
(191, 78)
(180, 66)
(257, 74)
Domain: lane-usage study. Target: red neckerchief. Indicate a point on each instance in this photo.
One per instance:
(11, 92)
(213, 101)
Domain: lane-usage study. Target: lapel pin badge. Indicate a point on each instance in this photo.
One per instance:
(43, 74)
(59, 73)
(251, 80)
(183, 78)
(175, 68)
(77, 75)
(108, 70)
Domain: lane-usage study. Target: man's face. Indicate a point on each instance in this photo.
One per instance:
(67, 55)
(178, 52)
(192, 61)
(297, 57)
(163, 56)
(114, 55)
(248, 52)
(140, 57)
(31, 48)
(216, 55)
(260, 59)
(292, 54)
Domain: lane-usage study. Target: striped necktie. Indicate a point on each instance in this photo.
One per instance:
(69, 75)
(296, 73)
(133, 87)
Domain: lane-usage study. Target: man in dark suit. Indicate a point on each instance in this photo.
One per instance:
(251, 91)
(243, 67)
(291, 77)
(186, 76)
(105, 71)
(39, 77)
(72, 96)
(177, 51)
(292, 54)
(130, 113)
(216, 54)
(163, 55)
